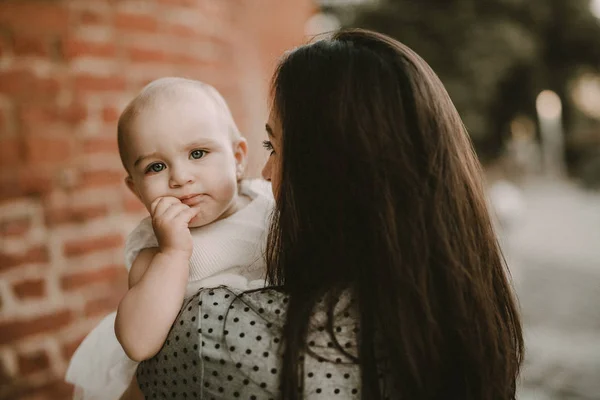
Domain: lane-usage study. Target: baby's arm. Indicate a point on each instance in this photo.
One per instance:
(133, 392)
(157, 282)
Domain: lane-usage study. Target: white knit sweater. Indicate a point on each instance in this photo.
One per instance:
(227, 252)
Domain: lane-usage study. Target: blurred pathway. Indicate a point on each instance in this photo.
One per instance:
(553, 250)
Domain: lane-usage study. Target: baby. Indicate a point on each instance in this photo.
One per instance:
(185, 159)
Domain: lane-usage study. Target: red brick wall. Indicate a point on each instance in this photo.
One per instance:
(67, 68)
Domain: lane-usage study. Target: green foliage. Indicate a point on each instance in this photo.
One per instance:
(494, 56)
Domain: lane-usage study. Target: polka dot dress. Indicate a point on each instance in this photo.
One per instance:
(227, 345)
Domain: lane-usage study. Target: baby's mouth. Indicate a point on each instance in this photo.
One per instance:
(192, 200)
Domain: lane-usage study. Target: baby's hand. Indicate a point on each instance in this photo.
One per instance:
(170, 219)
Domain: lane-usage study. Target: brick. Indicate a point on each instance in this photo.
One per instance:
(40, 149)
(79, 48)
(34, 181)
(11, 331)
(14, 82)
(55, 389)
(15, 227)
(11, 153)
(25, 85)
(34, 255)
(10, 187)
(73, 114)
(146, 55)
(34, 16)
(190, 60)
(110, 115)
(85, 83)
(66, 215)
(30, 288)
(108, 274)
(26, 45)
(132, 204)
(3, 122)
(101, 178)
(133, 22)
(178, 2)
(47, 87)
(41, 122)
(80, 247)
(102, 306)
(33, 362)
(35, 115)
(49, 122)
(182, 31)
(92, 17)
(101, 145)
(69, 348)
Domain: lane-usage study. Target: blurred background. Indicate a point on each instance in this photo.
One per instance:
(524, 74)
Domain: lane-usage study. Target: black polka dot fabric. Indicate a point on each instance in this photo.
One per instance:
(227, 345)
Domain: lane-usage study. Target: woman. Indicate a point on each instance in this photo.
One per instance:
(388, 281)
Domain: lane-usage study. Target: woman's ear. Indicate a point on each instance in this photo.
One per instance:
(240, 152)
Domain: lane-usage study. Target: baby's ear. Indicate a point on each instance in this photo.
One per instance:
(131, 187)
(240, 152)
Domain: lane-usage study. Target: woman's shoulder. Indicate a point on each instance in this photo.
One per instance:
(265, 310)
(267, 302)
(273, 301)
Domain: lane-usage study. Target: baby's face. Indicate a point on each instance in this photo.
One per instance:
(182, 148)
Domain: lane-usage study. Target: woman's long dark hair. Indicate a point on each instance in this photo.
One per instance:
(381, 194)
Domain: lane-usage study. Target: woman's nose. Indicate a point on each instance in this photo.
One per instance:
(266, 171)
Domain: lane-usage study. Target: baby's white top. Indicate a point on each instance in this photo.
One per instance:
(233, 245)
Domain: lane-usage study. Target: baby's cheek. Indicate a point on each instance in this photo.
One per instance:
(148, 196)
(228, 190)
(147, 203)
(200, 220)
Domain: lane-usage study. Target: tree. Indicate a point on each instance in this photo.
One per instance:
(494, 56)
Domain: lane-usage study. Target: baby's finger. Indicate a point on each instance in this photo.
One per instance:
(173, 211)
(163, 204)
(195, 212)
(185, 216)
(154, 204)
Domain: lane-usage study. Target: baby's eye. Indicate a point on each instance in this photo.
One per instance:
(156, 167)
(197, 154)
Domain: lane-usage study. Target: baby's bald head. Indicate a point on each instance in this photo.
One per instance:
(170, 91)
